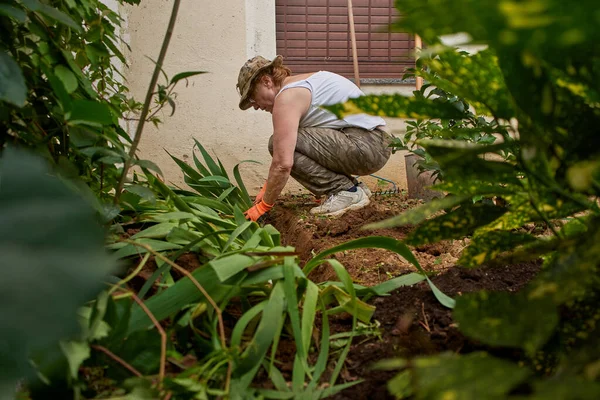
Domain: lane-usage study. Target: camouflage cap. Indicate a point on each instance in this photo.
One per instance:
(248, 72)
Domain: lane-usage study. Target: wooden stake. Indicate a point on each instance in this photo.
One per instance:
(353, 40)
(418, 47)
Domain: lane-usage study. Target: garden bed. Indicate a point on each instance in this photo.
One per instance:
(411, 321)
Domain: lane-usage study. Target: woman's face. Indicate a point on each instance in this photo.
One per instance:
(263, 94)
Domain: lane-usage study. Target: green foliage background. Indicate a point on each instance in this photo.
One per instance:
(538, 75)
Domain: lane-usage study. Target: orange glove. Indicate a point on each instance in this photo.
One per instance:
(260, 194)
(256, 211)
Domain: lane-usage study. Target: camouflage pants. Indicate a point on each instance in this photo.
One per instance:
(325, 159)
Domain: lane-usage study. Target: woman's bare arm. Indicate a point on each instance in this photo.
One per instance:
(289, 107)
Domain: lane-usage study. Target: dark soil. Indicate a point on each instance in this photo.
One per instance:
(412, 321)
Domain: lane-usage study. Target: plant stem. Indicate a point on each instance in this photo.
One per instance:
(148, 100)
(194, 281)
(117, 359)
(163, 340)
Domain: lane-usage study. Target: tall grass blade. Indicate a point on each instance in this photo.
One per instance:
(242, 324)
(382, 242)
(273, 313)
(210, 162)
(240, 182)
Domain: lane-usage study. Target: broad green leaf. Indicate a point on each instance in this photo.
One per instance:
(183, 75)
(243, 321)
(475, 188)
(487, 246)
(270, 274)
(51, 12)
(265, 333)
(230, 265)
(309, 309)
(574, 270)
(142, 191)
(240, 182)
(128, 249)
(210, 162)
(37, 243)
(66, 77)
(12, 84)
(383, 243)
(158, 231)
(13, 12)
(148, 165)
(474, 376)
(507, 319)
(89, 112)
(176, 297)
(419, 214)
(454, 225)
(211, 203)
(567, 388)
(289, 288)
(395, 106)
(475, 77)
(76, 353)
(173, 216)
(348, 303)
(395, 283)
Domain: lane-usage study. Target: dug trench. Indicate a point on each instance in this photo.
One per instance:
(408, 322)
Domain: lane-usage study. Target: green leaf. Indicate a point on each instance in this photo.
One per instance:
(240, 182)
(454, 225)
(176, 297)
(567, 388)
(184, 75)
(149, 165)
(395, 283)
(158, 231)
(127, 250)
(383, 243)
(396, 106)
(473, 376)
(142, 191)
(419, 214)
(35, 5)
(12, 83)
(89, 112)
(13, 12)
(210, 162)
(76, 353)
(243, 321)
(489, 245)
(574, 270)
(506, 319)
(265, 333)
(37, 243)
(67, 78)
(475, 77)
(228, 266)
(348, 302)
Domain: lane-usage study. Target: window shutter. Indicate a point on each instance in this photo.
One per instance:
(314, 35)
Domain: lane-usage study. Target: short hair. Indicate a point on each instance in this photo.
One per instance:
(278, 74)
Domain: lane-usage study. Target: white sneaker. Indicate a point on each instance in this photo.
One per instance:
(339, 203)
(365, 188)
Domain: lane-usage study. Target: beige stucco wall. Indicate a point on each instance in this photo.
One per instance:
(217, 37)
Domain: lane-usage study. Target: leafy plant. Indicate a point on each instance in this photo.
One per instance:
(540, 72)
(41, 255)
(470, 127)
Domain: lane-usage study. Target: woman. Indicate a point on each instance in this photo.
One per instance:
(309, 143)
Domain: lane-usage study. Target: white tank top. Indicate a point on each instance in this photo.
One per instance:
(327, 89)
